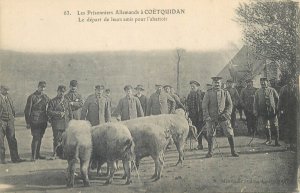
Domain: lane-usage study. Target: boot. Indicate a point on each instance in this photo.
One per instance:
(277, 137)
(34, 145)
(210, 147)
(200, 146)
(38, 150)
(231, 143)
(268, 135)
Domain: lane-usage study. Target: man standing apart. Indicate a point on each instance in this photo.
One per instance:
(96, 108)
(129, 107)
(266, 108)
(7, 128)
(158, 102)
(36, 118)
(74, 99)
(143, 99)
(60, 113)
(235, 98)
(194, 109)
(217, 106)
(247, 101)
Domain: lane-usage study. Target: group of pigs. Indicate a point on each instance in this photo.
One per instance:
(129, 141)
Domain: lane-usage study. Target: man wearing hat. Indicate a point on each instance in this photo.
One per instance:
(129, 107)
(265, 108)
(194, 109)
(60, 113)
(235, 98)
(74, 99)
(247, 101)
(158, 102)
(143, 99)
(178, 105)
(7, 114)
(36, 118)
(96, 108)
(217, 106)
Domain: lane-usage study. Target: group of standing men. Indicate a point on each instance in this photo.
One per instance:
(215, 108)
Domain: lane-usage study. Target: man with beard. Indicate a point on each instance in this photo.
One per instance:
(265, 108)
(7, 128)
(247, 101)
(217, 106)
(74, 99)
(36, 118)
(60, 113)
(194, 109)
(158, 102)
(287, 107)
(129, 107)
(96, 108)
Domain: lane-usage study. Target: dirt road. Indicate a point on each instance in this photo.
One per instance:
(259, 168)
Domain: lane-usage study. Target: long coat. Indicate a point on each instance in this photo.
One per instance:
(35, 109)
(76, 98)
(144, 102)
(96, 110)
(266, 102)
(216, 103)
(158, 103)
(235, 97)
(55, 108)
(129, 108)
(247, 98)
(194, 107)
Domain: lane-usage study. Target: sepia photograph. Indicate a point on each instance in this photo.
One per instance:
(149, 96)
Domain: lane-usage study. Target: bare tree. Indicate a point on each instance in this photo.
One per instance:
(179, 54)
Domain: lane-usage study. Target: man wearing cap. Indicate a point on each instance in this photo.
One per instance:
(247, 101)
(194, 109)
(60, 113)
(74, 99)
(235, 98)
(129, 107)
(265, 108)
(36, 118)
(217, 106)
(7, 128)
(178, 105)
(96, 108)
(158, 102)
(287, 107)
(143, 99)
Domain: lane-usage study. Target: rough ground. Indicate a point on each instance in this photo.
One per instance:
(259, 168)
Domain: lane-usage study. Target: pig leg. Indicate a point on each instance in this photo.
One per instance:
(156, 162)
(111, 165)
(180, 146)
(160, 166)
(71, 171)
(84, 165)
(127, 170)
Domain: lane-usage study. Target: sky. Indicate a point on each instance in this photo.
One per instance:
(41, 26)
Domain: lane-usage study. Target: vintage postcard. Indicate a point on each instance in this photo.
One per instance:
(167, 96)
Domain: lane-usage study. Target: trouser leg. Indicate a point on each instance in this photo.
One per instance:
(2, 147)
(233, 117)
(12, 141)
(231, 143)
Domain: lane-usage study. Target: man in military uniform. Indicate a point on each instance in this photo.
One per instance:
(60, 113)
(158, 102)
(96, 108)
(235, 98)
(287, 107)
(265, 108)
(247, 101)
(74, 99)
(36, 118)
(217, 106)
(143, 99)
(168, 89)
(7, 128)
(194, 109)
(129, 107)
